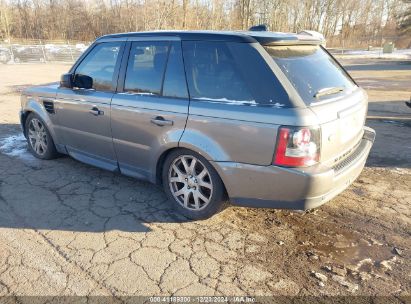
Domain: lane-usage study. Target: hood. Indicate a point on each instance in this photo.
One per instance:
(45, 90)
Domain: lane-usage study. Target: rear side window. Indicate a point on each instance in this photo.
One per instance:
(100, 64)
(146, 66)
(311, 71)
(232, 73)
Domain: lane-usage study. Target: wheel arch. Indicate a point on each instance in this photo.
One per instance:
(160, 164)
(33, 106)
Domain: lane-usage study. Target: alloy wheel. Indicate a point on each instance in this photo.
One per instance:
(190, 182)
(37, 136)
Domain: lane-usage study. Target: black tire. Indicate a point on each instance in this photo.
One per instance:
(217, 200)
(50, 151)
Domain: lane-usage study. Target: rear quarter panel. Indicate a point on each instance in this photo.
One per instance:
(238, 133)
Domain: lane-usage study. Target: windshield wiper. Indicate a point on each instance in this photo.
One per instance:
(328, 91)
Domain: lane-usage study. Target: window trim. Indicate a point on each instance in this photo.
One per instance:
(163, 77)
(121, 52)
(154, 38)
(180, 45)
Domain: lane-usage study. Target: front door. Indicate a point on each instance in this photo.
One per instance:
(84, 114)
(149, 111)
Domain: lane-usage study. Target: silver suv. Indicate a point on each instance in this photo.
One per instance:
(259, 119)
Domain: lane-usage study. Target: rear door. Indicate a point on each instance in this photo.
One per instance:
(149, 111)
(84, 114)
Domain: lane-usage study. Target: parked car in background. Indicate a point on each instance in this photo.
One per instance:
(28, 53)
(81, 47)
(260, 119)
(5, 55)
(62, 53)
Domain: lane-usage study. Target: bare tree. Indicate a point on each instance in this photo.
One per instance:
(349, 22)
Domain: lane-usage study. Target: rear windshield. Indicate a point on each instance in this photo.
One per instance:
(313, 73)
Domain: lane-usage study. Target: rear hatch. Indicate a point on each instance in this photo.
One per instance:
(326, 89)
(341, 124)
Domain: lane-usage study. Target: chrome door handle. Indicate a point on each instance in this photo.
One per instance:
(95, 111)
(160, 121)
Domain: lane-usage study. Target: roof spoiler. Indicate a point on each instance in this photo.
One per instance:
(292, 42)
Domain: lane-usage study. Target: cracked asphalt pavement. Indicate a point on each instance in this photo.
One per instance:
(67, 228)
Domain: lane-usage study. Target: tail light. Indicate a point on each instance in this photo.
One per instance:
(297, 147)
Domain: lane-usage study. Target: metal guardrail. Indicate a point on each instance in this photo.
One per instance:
(18, 51)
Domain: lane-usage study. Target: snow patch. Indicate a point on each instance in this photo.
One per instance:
(239, 102)
(16, 146)
(278, 105)
(228, 101)
(397, 54)
(402, 171)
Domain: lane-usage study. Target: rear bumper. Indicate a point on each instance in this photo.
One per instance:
(291, 188)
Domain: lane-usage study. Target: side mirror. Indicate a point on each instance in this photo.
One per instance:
(66, 81)
(82, 81)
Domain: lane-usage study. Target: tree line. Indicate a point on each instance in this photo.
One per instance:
(343, 22)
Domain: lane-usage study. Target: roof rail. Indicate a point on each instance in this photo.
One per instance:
(258, 28)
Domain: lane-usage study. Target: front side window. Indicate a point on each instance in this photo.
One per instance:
(231, 73)
(100, 64)
(314, 74)
(146, 66)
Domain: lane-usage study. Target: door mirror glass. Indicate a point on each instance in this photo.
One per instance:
(66, 81)
(82, 81)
